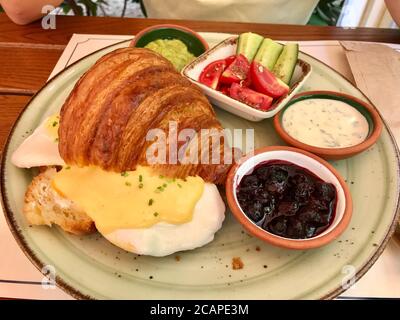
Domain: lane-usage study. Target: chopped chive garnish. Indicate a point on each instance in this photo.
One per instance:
(140, 185)
(140, 178)
(155, 214)
(67, 167)
(151, 202)
(164, 185)
(161, 176)
(55, 123)
(124, 174)
(179, 185)
(127, 183)
(56, 140)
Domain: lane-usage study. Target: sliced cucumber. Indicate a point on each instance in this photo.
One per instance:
(248, 44)
(286, 63)
(268, 53)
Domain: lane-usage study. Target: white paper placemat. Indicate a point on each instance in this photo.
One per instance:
(20, 279)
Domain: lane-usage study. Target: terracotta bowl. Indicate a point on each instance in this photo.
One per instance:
(368, 111)
(304, 159)
(193, 41)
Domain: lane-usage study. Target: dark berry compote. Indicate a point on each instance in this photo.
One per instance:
(287, 200)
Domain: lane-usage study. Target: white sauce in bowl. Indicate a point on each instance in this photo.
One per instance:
(325, 123)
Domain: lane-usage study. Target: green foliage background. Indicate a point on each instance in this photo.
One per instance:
(327, 12)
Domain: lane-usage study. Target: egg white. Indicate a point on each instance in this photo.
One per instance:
(163, 239)
(39, 149)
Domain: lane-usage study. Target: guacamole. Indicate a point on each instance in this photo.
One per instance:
(174, 50)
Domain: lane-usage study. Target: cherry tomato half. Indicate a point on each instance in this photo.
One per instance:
(266, 82)
(250, 97)
(237, 71)
(211, 74)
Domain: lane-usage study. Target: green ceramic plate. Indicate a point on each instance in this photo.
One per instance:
(90, 267)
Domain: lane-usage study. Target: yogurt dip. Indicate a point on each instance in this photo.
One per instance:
(325, 123)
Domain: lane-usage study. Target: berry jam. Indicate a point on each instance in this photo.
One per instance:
(287, 200)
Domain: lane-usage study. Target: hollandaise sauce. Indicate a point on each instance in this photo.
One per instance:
(132, 199)
(52, 124)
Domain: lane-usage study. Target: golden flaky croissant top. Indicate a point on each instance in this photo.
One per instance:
(106, 118)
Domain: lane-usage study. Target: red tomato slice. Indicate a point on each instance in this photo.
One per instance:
(246, 82)
(229, 60)
(250, 97)
(211, 73)
(266, 82)
(237, 71)
(224, 89)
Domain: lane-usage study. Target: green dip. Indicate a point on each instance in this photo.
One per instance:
(174, 50)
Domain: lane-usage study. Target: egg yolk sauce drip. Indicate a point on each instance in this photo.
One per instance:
(129, 200)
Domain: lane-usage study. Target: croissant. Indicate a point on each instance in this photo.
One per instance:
(107, 116)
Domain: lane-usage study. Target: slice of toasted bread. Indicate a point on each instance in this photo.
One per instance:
(45, 206)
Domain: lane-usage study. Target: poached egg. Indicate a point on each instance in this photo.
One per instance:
(138, 211)
(41, 147)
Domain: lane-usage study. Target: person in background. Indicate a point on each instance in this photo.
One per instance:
(257, 11)
(26, 11)
(394, 9)
(271, 11)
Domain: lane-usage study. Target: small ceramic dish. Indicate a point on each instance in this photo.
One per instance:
(193, 41)
(225, 49)
(369, 112)
(309, 161)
